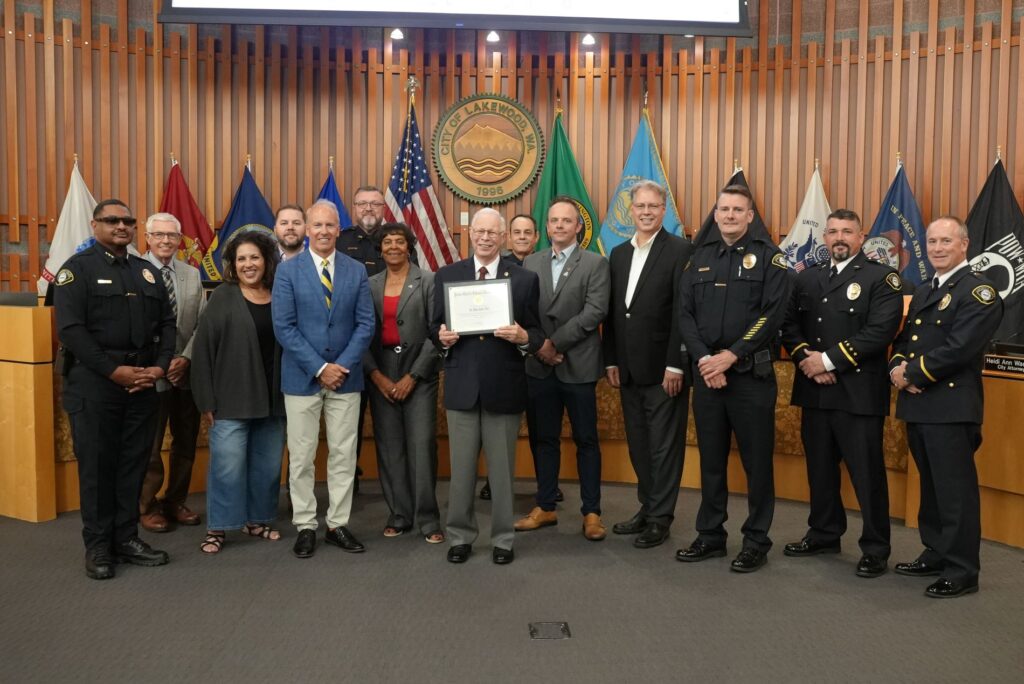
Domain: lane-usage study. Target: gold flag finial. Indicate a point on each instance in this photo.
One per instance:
(735, 165)
(173, 160)
(817, 163)
(76, 158)
(248, 162)
(411, 86)
(330, 163)
(999, 152)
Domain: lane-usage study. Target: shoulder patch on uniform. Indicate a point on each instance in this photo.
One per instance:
(985, 294)
(780, 261)
(64, 277)
(893, 281)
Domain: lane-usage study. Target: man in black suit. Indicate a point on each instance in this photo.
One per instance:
(485, 388)
(936, 364)
(732, 301)
(643, 359)
(841, 318)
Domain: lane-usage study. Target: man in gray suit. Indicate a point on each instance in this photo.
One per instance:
(575, 286)
(185, 291)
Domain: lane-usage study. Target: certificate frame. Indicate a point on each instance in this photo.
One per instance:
(493, 306)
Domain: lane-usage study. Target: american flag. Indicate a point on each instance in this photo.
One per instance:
(411, 200)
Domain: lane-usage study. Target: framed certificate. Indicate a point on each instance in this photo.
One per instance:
(478, 306)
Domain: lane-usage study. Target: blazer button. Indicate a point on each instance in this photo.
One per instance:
(627, 314)
(481, 338)
(401, 322)
(912, 354)
(857, 370)
(914, 337)
(917, 321)
(824, 299)
(952, 384)
(819, 319)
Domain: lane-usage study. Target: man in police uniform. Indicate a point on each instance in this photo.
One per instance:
(842, 316)
(117, 330)
(936, 364)
(732, 301)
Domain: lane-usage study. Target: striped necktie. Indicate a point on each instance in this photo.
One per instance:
(325, 282)
(169, 284)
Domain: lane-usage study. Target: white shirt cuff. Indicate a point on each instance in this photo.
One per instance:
(829, 366)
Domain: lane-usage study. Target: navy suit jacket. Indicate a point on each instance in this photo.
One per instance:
(310, 334)
(483, 369)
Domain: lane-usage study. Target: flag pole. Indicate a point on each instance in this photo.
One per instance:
(817, 163)
(248, 162)
(999, 154)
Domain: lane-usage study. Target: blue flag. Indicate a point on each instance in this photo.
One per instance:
(330, 192)
(897, 237)
(249, 211)
(643, 163)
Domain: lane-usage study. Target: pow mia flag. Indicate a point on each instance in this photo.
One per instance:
(996, 227)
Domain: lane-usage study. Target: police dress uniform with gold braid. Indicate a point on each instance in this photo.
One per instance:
(734, 298)
(111, 311)
(943, 342)
(852, 318)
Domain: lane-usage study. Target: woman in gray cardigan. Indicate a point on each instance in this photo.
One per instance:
(402, 366)
(236, 382)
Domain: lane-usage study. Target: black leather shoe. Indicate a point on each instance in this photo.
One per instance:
(871, 566)
(917, 568)
(559, 496)
(502, 556)
(98, 563)
(698, 551)
(460, 553)
(634, 525)
(305, 545)
(749, 560)
(138, 552)
(485, 491)
(344, 540)
(653, 535)
(811, 547)
(947, 588)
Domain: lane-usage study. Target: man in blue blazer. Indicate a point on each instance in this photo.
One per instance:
(323, 319)
(485, 388)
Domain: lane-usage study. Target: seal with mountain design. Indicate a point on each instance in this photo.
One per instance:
(488, 148)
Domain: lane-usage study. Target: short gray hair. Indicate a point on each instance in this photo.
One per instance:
(488, 211)
(962, 231)
(648, 185)
(163, 216)
(329, 205)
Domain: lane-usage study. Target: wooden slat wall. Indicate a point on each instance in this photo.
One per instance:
(124, 98)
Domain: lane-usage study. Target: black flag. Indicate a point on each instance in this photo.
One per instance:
(996, 227)
(709, 227)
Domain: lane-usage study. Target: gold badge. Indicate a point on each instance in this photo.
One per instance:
(64, 276)
(749, 261)
(148, 275)
(984, 294)
(853, 291)
(893, 281)
(945, 302)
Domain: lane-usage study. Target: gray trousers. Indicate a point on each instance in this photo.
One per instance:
(468, 431)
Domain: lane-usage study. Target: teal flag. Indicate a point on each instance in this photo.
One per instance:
(643, 163)
(562, 176)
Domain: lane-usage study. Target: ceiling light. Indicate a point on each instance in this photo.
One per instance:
(493, 37)
(589, 39)
(397, 34)
(687, 35)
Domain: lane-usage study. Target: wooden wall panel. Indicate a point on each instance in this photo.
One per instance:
(292, 97)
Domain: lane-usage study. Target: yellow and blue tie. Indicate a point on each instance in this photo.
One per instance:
(325, 282)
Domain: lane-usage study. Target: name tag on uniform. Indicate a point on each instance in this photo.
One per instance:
(703, 268)
(101, 281)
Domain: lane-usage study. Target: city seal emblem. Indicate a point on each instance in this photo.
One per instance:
(488, 148)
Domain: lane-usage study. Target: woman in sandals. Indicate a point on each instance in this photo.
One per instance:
(236, 378)
(402, 366)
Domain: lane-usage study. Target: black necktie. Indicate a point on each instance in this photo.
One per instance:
(833, 272)
(935, 283)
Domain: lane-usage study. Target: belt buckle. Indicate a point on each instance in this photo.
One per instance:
(398, 349)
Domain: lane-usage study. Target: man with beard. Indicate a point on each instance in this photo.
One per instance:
(841, 318)
(290, 229)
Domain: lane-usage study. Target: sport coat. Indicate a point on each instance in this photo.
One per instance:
(571, 313)
(482, 368)
(644, 338)
(191, 302)
(310, 334)
(419, 355)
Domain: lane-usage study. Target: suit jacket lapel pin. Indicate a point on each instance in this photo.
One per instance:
(853, 291)
(749, 261)
(945, 301)
(505, 274)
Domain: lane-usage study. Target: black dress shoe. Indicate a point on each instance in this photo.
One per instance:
(917, 568)
(344, 540)
(749, 560)
(653, 535)
(871, 566)
(559, 496)
(947, 588)
(138, 552)
(485, 491)
(811, 547)
(634, 525)
(460, 553)
(502, 556)
(305, 545)
(698, 551)
(98, 563)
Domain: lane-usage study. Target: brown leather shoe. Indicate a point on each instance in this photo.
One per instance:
(593, 528)
(536, 519)
(182, 515)
(154, 521)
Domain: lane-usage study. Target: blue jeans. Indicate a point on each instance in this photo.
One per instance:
(244, 477)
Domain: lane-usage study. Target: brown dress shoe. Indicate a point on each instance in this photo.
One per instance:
(182, 515)
(536, 519)
(593, 528)
(154, 521)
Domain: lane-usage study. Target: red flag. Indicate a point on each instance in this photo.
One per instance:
(195, 229)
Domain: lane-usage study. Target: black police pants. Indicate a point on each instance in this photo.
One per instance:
(746, 407)
(830, 436)
(113, 439)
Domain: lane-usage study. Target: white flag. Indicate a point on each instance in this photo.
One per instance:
(74, 232)
(803, 246)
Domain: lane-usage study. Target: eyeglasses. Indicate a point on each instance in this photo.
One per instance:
(485, 233)
(363, 205)
(165, 236)
(128, 221)
(645, 207)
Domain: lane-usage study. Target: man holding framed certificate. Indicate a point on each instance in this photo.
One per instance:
(485, 321)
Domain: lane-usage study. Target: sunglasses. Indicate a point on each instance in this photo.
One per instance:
(128, 221)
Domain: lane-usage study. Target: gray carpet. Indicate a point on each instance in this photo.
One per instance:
(400, 613)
